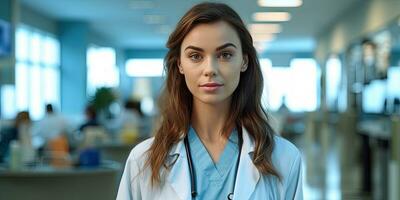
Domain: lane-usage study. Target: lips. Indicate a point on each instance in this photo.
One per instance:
(211, 85)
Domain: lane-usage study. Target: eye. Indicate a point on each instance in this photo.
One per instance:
(225, 55)
(195, 57)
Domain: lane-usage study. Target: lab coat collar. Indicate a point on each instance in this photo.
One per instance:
(179, 176)
(248, 174)
(247, 177)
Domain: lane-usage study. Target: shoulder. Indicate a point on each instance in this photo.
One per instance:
(284, 148)
(134, 175)
(139, 151)
(137, 158)
(286, 157)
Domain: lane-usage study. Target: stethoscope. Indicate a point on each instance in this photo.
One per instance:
(192, 172)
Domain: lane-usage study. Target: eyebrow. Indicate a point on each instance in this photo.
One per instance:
(217, 49)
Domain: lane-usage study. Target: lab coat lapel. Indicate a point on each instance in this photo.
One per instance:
(179, 176)
(248, 175)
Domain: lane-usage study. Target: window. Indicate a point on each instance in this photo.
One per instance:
(379, 95)
(144, 67)
(394, 82)
(145, 71)
(101, 69)
(333, 79)
(8, 101)
(393, 86)
(296, 85)
(303, 92)
(37, 71)
(275, 84)
(373, 97)
(21, 84)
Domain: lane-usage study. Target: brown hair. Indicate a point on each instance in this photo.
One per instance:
(176, 100)
(22, 117)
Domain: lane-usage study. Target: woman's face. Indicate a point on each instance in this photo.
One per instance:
(211, 59)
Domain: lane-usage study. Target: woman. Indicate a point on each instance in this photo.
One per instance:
(214, 140)
(20, 131)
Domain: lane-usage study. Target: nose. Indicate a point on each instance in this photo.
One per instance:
(211, 67)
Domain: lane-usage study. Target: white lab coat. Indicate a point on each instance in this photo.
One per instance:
(250, 183)
(50, 127)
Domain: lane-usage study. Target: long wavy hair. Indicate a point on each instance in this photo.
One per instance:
(176, 101)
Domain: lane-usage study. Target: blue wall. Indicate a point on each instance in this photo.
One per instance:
(35, 19)
(283, 59)
(139, 53)
(5, 10)
(125, 82)
(394, 58)
(74, 41)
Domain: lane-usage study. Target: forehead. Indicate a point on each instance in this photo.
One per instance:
(211, 35)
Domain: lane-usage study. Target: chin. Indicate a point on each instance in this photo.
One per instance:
(213, 100)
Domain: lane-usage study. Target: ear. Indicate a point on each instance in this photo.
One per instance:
(245, 63)
(180, 67)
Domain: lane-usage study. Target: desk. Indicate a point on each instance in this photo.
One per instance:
(46, 183)
(116, 151)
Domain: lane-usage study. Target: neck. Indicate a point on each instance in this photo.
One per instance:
(209, 120)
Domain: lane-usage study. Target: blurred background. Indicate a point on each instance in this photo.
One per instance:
(79, 83)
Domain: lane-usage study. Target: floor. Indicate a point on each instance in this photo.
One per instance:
(331, 166)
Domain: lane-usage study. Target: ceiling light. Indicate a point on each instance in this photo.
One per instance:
(264, 28)
(280, 3)
(271, 16)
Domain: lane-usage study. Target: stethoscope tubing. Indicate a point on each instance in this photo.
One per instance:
(192, 171)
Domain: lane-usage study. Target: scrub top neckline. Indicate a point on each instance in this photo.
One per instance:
(215, 170)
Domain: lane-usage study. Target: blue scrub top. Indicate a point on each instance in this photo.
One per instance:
(214, 180)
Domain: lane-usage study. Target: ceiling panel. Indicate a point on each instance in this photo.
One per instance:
(124, 24)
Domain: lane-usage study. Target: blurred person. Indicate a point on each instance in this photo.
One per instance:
(52, 125)
(91, 118)
(128, 125)
(396, 106)
(91, 132)
(214, 140)
(133, 118)
(20, 131)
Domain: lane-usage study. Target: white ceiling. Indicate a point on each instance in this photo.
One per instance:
(125, 25)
